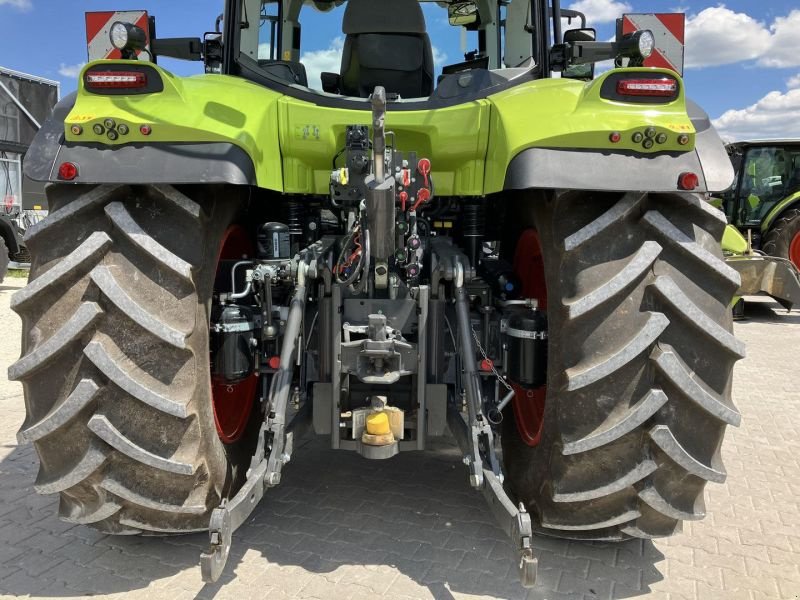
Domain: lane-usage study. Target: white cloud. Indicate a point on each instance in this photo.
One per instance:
(23, 5)
(319, 61)
(719, 36)
(439, 58)
(793, 82)
(601, 11)
(70, 71)
(776, 115)
(784, 50)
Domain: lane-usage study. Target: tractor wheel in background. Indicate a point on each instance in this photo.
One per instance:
(4, 260)
(783, 238)
(115, 357)
(640, 362)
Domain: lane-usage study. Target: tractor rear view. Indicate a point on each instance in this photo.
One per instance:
(524, 261)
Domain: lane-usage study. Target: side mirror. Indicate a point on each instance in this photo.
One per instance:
(584, 72)
(462, 13)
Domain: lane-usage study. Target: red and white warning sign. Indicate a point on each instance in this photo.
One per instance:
(98, 25)
(669, 32)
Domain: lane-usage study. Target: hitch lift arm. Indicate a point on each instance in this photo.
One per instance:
(268, 460)
(476, 441)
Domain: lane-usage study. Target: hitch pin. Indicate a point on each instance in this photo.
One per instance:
(506, 399)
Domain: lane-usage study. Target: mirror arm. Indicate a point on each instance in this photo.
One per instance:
(180, 48)
(581, 53)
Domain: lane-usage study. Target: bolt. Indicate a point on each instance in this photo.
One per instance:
(466, 460)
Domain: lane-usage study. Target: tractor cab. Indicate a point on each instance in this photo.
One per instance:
(394, 44)
(379, 42)
(766, 192)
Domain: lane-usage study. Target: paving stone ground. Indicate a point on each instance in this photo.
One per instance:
(340, 527)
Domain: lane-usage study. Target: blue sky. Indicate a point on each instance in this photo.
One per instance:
(743, 57)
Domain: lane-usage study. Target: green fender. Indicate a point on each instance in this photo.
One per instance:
(733, 241)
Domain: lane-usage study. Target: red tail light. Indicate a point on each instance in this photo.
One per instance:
(116, 79)
(67, 171)
(688, 181)
(647, 87)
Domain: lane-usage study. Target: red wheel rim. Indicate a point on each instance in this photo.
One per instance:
(529, 267)
(794, 250)
(233, 403)
(529, 413)
(528, 404)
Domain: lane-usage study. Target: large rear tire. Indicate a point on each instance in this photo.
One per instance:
(640, 361)
(115, 362)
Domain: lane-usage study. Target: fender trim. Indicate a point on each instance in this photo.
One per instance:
(158, 163)
(174, 163)
(549, 168)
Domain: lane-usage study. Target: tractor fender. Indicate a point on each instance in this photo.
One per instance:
(174, 163)
(550, 168)
(8, 231)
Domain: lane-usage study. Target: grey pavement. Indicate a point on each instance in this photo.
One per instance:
(341, 527)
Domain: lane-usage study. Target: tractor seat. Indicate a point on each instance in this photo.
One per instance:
(386, 44)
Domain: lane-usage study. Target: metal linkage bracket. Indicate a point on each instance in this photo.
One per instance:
(516, 522)
(513, 519)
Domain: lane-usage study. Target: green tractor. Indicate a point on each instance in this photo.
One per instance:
(762, 241)
(524, 260)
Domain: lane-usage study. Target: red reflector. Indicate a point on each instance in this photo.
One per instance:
(615, 137)
(647, 87)
(116, 79)
(68, 171)
(688, 181)
(274, 362)
(486, 365)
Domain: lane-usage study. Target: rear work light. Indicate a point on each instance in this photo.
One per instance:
(116, 79)
(647, 87)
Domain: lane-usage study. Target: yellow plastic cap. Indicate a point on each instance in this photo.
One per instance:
(378, 424)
